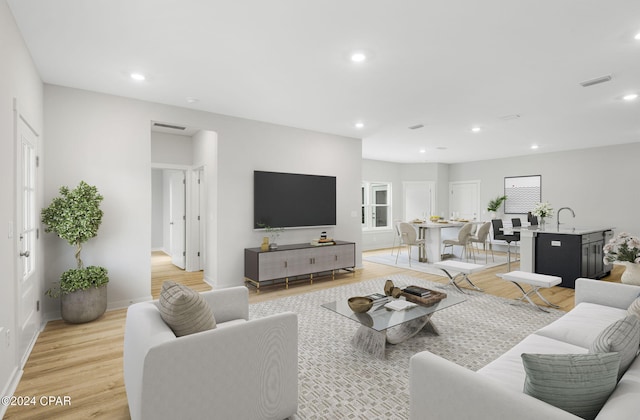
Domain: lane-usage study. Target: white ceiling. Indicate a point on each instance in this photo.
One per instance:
(449, 65)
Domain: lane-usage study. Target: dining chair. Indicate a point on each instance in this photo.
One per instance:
(396, 236)
(409, 237)
(482, 237)
(533, 220)
(463, 240)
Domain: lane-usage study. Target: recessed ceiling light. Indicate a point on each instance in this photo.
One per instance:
(423, 150)
(637, 36)
(137, 76)
(358, 57)
(192, 100)
(630, 97)
(534, 146)
(359, 125)
(476, 129)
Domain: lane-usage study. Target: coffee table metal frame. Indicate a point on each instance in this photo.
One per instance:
(379, 325)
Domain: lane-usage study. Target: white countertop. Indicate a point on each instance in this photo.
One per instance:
(562, 230)
(450, 223)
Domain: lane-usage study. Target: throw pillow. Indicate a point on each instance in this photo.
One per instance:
(623, 336)
(577, 383)
(634, 308)
(184, 310)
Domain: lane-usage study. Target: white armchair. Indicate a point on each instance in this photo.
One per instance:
(242, 369)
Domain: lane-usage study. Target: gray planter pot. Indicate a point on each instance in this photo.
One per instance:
(84, 305)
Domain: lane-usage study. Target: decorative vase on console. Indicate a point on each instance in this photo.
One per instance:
(624, 250)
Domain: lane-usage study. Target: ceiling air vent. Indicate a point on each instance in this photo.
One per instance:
(415, 127)
(173, 127)
(596, 81)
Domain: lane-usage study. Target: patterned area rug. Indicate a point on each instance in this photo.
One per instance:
(337, 381)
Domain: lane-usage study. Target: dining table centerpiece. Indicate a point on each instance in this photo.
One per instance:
(542, 211)
(624, 249)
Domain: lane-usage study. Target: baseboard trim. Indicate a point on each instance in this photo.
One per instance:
(10, 388)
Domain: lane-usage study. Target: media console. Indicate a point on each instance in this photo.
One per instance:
(297, 260)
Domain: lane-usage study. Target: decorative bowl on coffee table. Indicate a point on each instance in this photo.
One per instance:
(360, 304)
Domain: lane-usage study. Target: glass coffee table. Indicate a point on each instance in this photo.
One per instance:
(380, 325)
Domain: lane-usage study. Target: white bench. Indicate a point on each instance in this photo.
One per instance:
(462, 268)
(536, 281)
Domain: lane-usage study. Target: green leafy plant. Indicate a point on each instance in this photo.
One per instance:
(495, 204)
(273, 232)
(75, 216)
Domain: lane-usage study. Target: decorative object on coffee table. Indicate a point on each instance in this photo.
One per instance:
(429, 299)
(388, 287)
(360, 304)
(396, 292)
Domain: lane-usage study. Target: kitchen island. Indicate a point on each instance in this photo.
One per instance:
(566, 252)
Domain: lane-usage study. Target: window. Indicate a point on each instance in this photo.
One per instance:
(376, 205)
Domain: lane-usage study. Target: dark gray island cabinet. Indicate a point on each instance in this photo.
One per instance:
(290, 262)
(570, 253)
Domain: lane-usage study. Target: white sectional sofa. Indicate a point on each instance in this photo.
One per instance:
(440, 389)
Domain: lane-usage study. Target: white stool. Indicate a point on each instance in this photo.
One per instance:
(536, 281)
(463, 269)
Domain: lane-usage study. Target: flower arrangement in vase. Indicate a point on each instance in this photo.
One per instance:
(542, 210)
(624, 249)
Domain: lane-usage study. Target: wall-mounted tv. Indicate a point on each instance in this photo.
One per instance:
(293, 200)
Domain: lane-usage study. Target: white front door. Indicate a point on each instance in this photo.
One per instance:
(28, 315)
(177, 217)
(464, 200)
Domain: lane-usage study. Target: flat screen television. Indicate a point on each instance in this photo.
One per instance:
(293, 200)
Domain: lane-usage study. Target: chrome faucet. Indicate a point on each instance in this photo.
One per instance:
(558, 215)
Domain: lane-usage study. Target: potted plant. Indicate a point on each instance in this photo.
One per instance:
(75, 216)
(542, 211)
(273, 232)
(495, 204)
(624, 250)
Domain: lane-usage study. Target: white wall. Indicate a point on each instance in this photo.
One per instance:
(105, 140)
(157, 210)
(19, 80)
(171, 148)
(599, 184)
(205, 156)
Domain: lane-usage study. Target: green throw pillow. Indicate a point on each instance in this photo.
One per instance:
(623, 336)
(577, 383)
(184, 310)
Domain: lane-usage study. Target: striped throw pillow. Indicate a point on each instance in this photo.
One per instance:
(623, 336)
(184, 310)
(634, 308)
(577, 383)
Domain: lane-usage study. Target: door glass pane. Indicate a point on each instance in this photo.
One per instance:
(381, 216)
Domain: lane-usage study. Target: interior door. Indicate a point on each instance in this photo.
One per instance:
(463, 200)
(28, 315)
(177, 217)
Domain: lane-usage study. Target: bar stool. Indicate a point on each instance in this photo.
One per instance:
(498, 234)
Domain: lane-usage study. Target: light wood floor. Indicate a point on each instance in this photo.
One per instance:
(84, 362)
